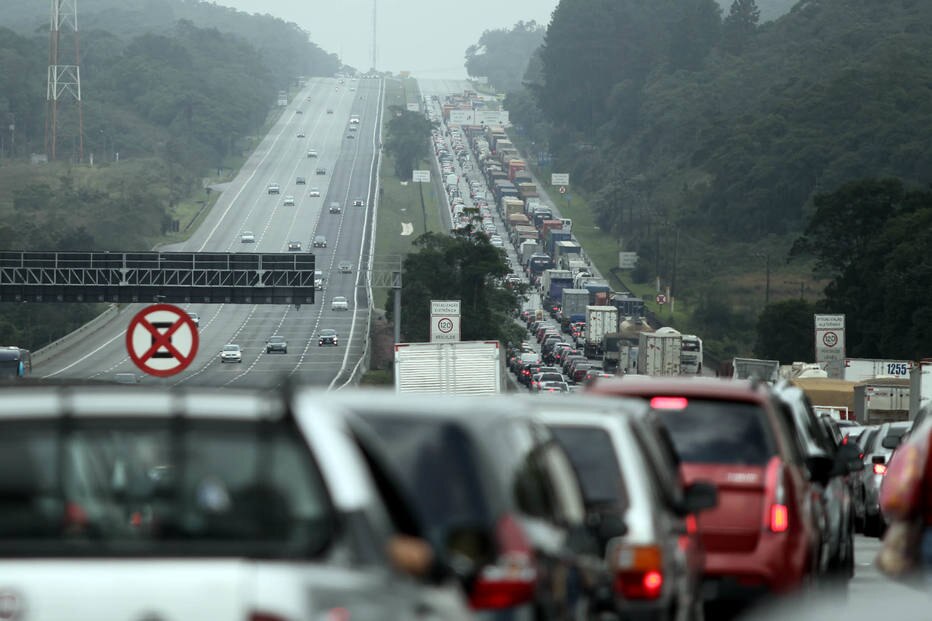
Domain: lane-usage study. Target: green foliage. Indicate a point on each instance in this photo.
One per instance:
(740, 25)
(876, 236)
(503, 55)
(407, 140)
(784, 331)
(465, 267)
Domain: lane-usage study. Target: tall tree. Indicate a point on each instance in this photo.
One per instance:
(784, 331)
(503, 55)
(407, 140)
(740, 25)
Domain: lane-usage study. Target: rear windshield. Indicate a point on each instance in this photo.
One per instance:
(436, 460)
(593, 456)
(720, 432)
(144, 487)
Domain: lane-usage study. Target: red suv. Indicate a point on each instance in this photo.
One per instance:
(761, 539)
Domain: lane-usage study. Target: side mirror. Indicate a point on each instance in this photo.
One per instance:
(606, 525)
(878, 459)
(699, 497)
(891, 442)
(820, 468)
(848, 460)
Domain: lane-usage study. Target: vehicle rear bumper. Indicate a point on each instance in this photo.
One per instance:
(777, 565)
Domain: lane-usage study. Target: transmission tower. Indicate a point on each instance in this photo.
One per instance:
(374, 34)
(64, 80)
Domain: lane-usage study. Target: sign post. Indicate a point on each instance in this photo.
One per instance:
(420, 176)
(830, 344)
(162, 340)
(444, 321)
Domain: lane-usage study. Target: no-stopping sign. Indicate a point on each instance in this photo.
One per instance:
(162, 340)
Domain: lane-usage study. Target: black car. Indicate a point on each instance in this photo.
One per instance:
(321, 171)
(494, 488)
(276, 344)
(327, 337)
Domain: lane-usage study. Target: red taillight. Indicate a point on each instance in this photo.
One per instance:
(512, 580)
(844, 441)
(779, 518)
(669, 403)
(880, 469)
(639, 574)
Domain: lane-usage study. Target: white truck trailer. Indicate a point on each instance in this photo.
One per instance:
(462, 368)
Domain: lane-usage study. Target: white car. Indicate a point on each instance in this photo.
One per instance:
(314, 192)
(339, 303)
(248, 237)
(312, 153)
(289, 201)
(301, 134)
(231, 353)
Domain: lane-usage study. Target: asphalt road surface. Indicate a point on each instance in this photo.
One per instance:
(246, 205)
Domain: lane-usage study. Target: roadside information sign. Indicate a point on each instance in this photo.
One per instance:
(444, 321)
(830, 344)
(162, 340)
(560, 179)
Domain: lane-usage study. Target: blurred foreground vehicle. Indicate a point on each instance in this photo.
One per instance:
(761, 539)
(644, 516)
(497, 494)
(877, 459)
(131, 503)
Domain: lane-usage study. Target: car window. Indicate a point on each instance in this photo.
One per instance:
(662, 463)
(562, 485)
(592, 454)
(719, 432)
(514, 447)
(131, 487)
(437, 462)
(788, 432)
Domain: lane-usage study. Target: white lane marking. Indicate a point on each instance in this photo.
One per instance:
(214, 359)
(85, 357)
(376, 139)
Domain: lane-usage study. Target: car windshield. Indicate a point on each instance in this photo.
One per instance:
(328, 332)
(231, 348)
(277, 339)
(717, 432)
(134, 487)
(593, 456)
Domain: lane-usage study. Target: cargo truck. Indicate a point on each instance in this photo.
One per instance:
(920, 387)
(595, 287)
(659, 352)
(858, 369)
(574, 303)
(563, 278)
(463, 368)
(747, 368)
(691, 356)
(527, 249)
(600, 320)
(566, 248)
(881, 400)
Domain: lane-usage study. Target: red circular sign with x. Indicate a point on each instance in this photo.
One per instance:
(162, 340)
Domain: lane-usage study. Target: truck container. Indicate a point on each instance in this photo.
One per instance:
(554, 291)
(516, 166)
(627, 305)
(691, 356)
(575, 265)
(527, 189)
(920, 386)
(597, 286)
(512, 206)
(530, 204)
(574, 303)
(659, 352)
(548, 274)
(601, 298)
(857, 369)
(746, 368)
(526, 231)
(518, 219)
(527, 249)
(881, 400)
(829, 395)
(547, 226)
(541, 214)
(464, 368)
(566, 248)
(600, 320)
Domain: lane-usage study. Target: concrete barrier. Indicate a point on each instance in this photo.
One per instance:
(56, 347)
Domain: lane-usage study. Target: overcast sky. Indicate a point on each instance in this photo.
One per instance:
(426, 37)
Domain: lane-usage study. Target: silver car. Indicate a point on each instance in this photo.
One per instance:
(877, 458)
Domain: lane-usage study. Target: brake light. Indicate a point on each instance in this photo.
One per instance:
(512, 580)
(880, 469)
(777, 518)
(639, 574)
(669, 403)
(844, 441)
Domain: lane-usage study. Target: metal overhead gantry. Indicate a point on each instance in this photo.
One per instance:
(178, 277)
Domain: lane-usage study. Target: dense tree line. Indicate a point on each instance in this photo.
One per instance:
(502, 55)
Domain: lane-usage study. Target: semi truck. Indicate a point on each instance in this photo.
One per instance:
(691, 355)
(600, 320)
(574, 304)
(462, 368)
(858, 369)
(881, 400)
(920, 386)
(659, 352)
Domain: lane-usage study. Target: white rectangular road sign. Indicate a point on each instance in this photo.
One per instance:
(627, 260)
(830, 344)
(444, 321)
(560, 179)
(414, 107)
(420, 176)
(462, 117)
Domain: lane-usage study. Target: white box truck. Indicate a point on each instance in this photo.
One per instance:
(765, 370)
(920, 387)
(860, 369)
(659, 352)
(600, 320)
(464, 368)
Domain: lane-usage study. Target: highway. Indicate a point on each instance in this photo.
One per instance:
(246, 205)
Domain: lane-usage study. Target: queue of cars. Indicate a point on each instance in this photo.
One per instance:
(645, 498)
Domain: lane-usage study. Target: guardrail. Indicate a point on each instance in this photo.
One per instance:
(66, 341)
